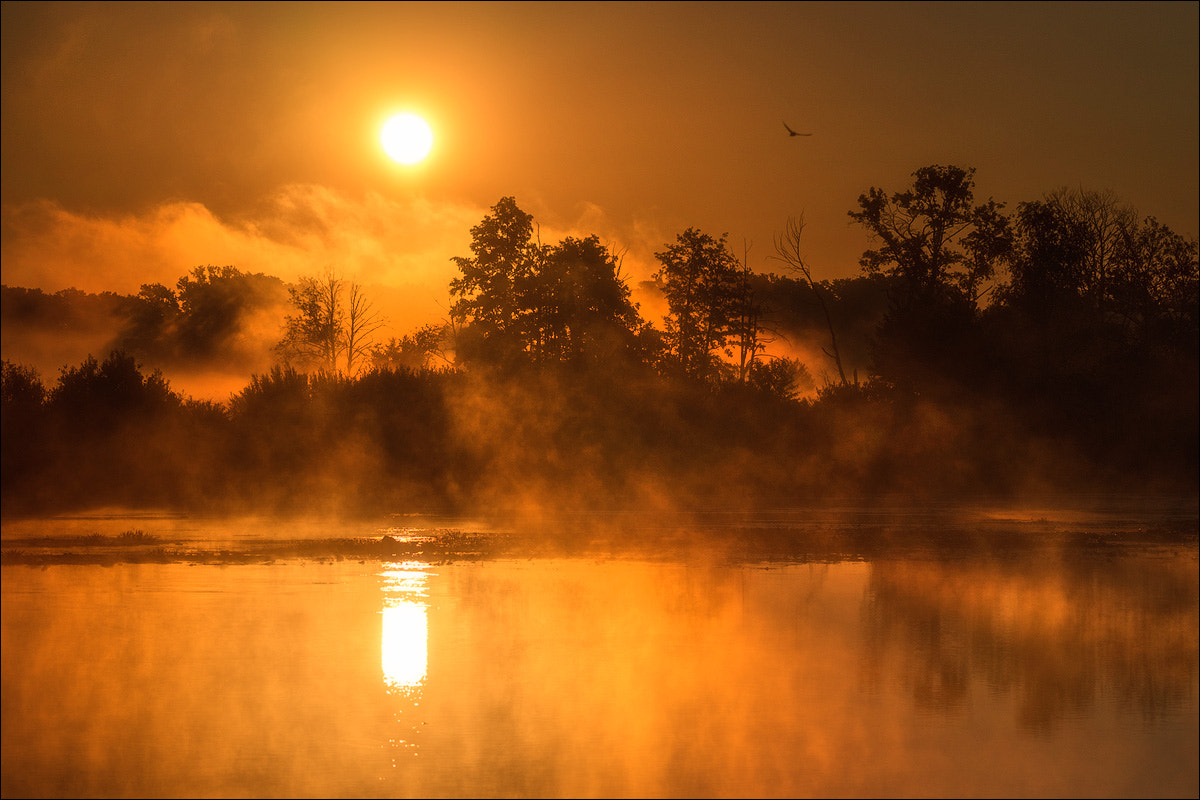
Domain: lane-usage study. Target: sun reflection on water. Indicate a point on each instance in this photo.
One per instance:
(404, 645)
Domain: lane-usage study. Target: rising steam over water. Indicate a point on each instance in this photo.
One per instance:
(844, 651)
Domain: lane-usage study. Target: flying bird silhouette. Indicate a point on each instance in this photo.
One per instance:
(793, 133)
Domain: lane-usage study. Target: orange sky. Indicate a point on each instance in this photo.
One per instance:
(141, 140)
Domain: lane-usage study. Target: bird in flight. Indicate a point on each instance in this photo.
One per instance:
(793, 133)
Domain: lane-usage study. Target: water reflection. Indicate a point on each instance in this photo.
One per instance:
(604, 678)
(404, 651)
(404, 645)
(1060, 636)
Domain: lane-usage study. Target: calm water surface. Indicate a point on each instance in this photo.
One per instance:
(1056, 672)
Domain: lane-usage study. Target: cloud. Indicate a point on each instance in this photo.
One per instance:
(399, 249)
(404, 246)
(299, 230)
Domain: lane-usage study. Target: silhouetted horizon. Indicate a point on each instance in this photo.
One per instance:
(547, 387)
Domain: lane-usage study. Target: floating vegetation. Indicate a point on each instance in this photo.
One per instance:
(809, 536)
(137, 537)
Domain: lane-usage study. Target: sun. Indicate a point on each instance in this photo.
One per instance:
(406, 138)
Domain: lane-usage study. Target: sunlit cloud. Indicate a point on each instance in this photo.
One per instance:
(299, 230)
(405, 245)
(400, 249)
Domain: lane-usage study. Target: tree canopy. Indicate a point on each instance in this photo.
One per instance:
(1080, 369)
(519, 301)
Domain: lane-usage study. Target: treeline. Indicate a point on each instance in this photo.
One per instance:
(461, 441)
(1055, 348)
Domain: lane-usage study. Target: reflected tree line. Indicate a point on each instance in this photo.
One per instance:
(981, 351)
(1060, 633)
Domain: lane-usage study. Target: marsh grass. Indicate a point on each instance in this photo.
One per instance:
(136, 537)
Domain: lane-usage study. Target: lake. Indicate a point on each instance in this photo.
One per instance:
(844, 651)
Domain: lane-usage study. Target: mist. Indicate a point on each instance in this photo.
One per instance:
(400, 250)
(546, 464)
(562, 391)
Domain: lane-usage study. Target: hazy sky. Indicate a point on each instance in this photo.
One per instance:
(140, 140)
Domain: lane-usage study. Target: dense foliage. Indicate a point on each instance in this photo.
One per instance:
(1055, 349)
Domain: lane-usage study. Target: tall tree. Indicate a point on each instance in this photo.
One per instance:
(745, 322)
(938, 250)
(518, 300)
(362, 322)
(152, 319)
(1046, 274)
(1106, 225)
(485, 296)
(700, 279)
(932, 238)
(1087, 252)
(1160, 285)
(215, 304)
(313, 334)
(333, 320)
(97, 396)
(582, 303)
(788, 249)
(207, 316)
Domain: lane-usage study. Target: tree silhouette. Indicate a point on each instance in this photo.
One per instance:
(99, 395)
(1106, 225)
(701, 280)
(1089, 350)
(1083, 260)
(1100, 316)
(1088, 247)
(1047, 270)
(333, 320)
(521, 301)
(362, 322)
(939, 249)
(745, 323)
(1158, 291)
(211, 303)
(151, 328)
(207, 316)
(24, 455)
(20, 387)
(580, 305)
(781, 377)
(313, 334)
(485, 298)
(414, 351)
(788, 250)
(932, 237)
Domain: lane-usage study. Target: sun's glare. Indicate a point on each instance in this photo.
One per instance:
(407, 138)
(405, 647)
